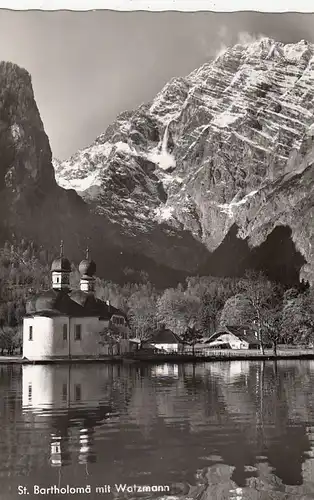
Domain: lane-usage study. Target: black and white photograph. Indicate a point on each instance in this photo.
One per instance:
(156, 255)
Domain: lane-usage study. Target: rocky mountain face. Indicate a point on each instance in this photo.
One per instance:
(34, 207)
(224, 154)
(213, 176)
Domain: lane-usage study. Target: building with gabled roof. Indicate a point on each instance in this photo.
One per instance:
(165, 339)
(235, 337)
(65, 323)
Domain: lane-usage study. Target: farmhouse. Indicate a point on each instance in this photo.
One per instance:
(233, 337)
(61, 323)
(164, 340)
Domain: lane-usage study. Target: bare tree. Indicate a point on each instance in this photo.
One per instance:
(264, 299)
(110, 336)
(272, 326)
(191, 336)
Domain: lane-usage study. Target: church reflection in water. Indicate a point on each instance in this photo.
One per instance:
(72, 401)
(113, 414)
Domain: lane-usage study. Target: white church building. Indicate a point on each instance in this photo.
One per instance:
(61, 323)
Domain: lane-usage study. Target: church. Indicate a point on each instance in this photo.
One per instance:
(61, 323)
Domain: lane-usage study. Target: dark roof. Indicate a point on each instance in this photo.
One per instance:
(61, 264)
(87, 268)
(93, 305)
(84, 299)
(56, 301)
(73, 304)
(164, 336)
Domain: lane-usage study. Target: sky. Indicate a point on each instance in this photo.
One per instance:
(87, 67)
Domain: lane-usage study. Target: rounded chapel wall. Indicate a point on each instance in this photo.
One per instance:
(43, 335)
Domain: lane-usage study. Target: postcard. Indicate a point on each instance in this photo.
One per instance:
(156, 250)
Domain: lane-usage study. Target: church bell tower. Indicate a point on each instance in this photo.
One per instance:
(60, 271)
(87, 269)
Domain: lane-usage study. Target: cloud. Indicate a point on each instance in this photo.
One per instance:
(245, 38)
(227, 40)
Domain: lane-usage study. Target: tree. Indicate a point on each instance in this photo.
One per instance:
(4, 340)
(142, 314)
(110, 336)
(212, 293)
(191, 336)
(264, 298)
(272, 326)
(298, 316)
(236, 311)
(210, 307)
(178, 308)
(17, 339)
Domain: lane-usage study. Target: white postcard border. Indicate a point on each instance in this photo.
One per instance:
(162, 5)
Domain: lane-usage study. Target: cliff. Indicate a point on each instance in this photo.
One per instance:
(224, 153)
(34, 207)
(213, 176)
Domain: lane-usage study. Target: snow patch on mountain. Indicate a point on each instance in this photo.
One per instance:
(16, 132)
(239, 124)
(225, 119)
(163, 213)
(230, 208)
(160, 155)
(80, 185)
(84, 169)
(126, 148)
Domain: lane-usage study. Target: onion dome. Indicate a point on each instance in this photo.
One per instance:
(87, 267)
(61, 264)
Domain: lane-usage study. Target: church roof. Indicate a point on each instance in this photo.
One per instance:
(76, 304)
(93, 305)
(61, 264)
(87, 268)
(56, 302)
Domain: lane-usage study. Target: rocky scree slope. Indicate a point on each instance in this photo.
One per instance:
(226, 152)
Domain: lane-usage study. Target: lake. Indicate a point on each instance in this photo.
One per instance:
(220, 430)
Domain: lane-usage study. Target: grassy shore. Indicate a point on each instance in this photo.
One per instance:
(200, 356)
(225, 355)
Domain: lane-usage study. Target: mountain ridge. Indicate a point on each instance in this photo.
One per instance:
(213, 149)
(211, 176)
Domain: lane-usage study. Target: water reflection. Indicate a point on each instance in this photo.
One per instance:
(69, 402)
(234, 429)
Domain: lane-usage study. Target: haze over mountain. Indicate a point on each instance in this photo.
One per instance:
(214, 175)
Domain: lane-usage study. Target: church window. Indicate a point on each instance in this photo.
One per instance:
(77, 392)
(30, 333)
(64, 392)
(78, 332)
(30, 392)
(57, 280)
(117, 320)
(65, 332)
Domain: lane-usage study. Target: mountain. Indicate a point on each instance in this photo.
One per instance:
(224, 153)
(214, 175)
(35, 208)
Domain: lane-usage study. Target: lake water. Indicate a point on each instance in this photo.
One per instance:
(221, 430)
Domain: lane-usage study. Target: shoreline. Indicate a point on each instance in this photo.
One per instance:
(171, 358)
